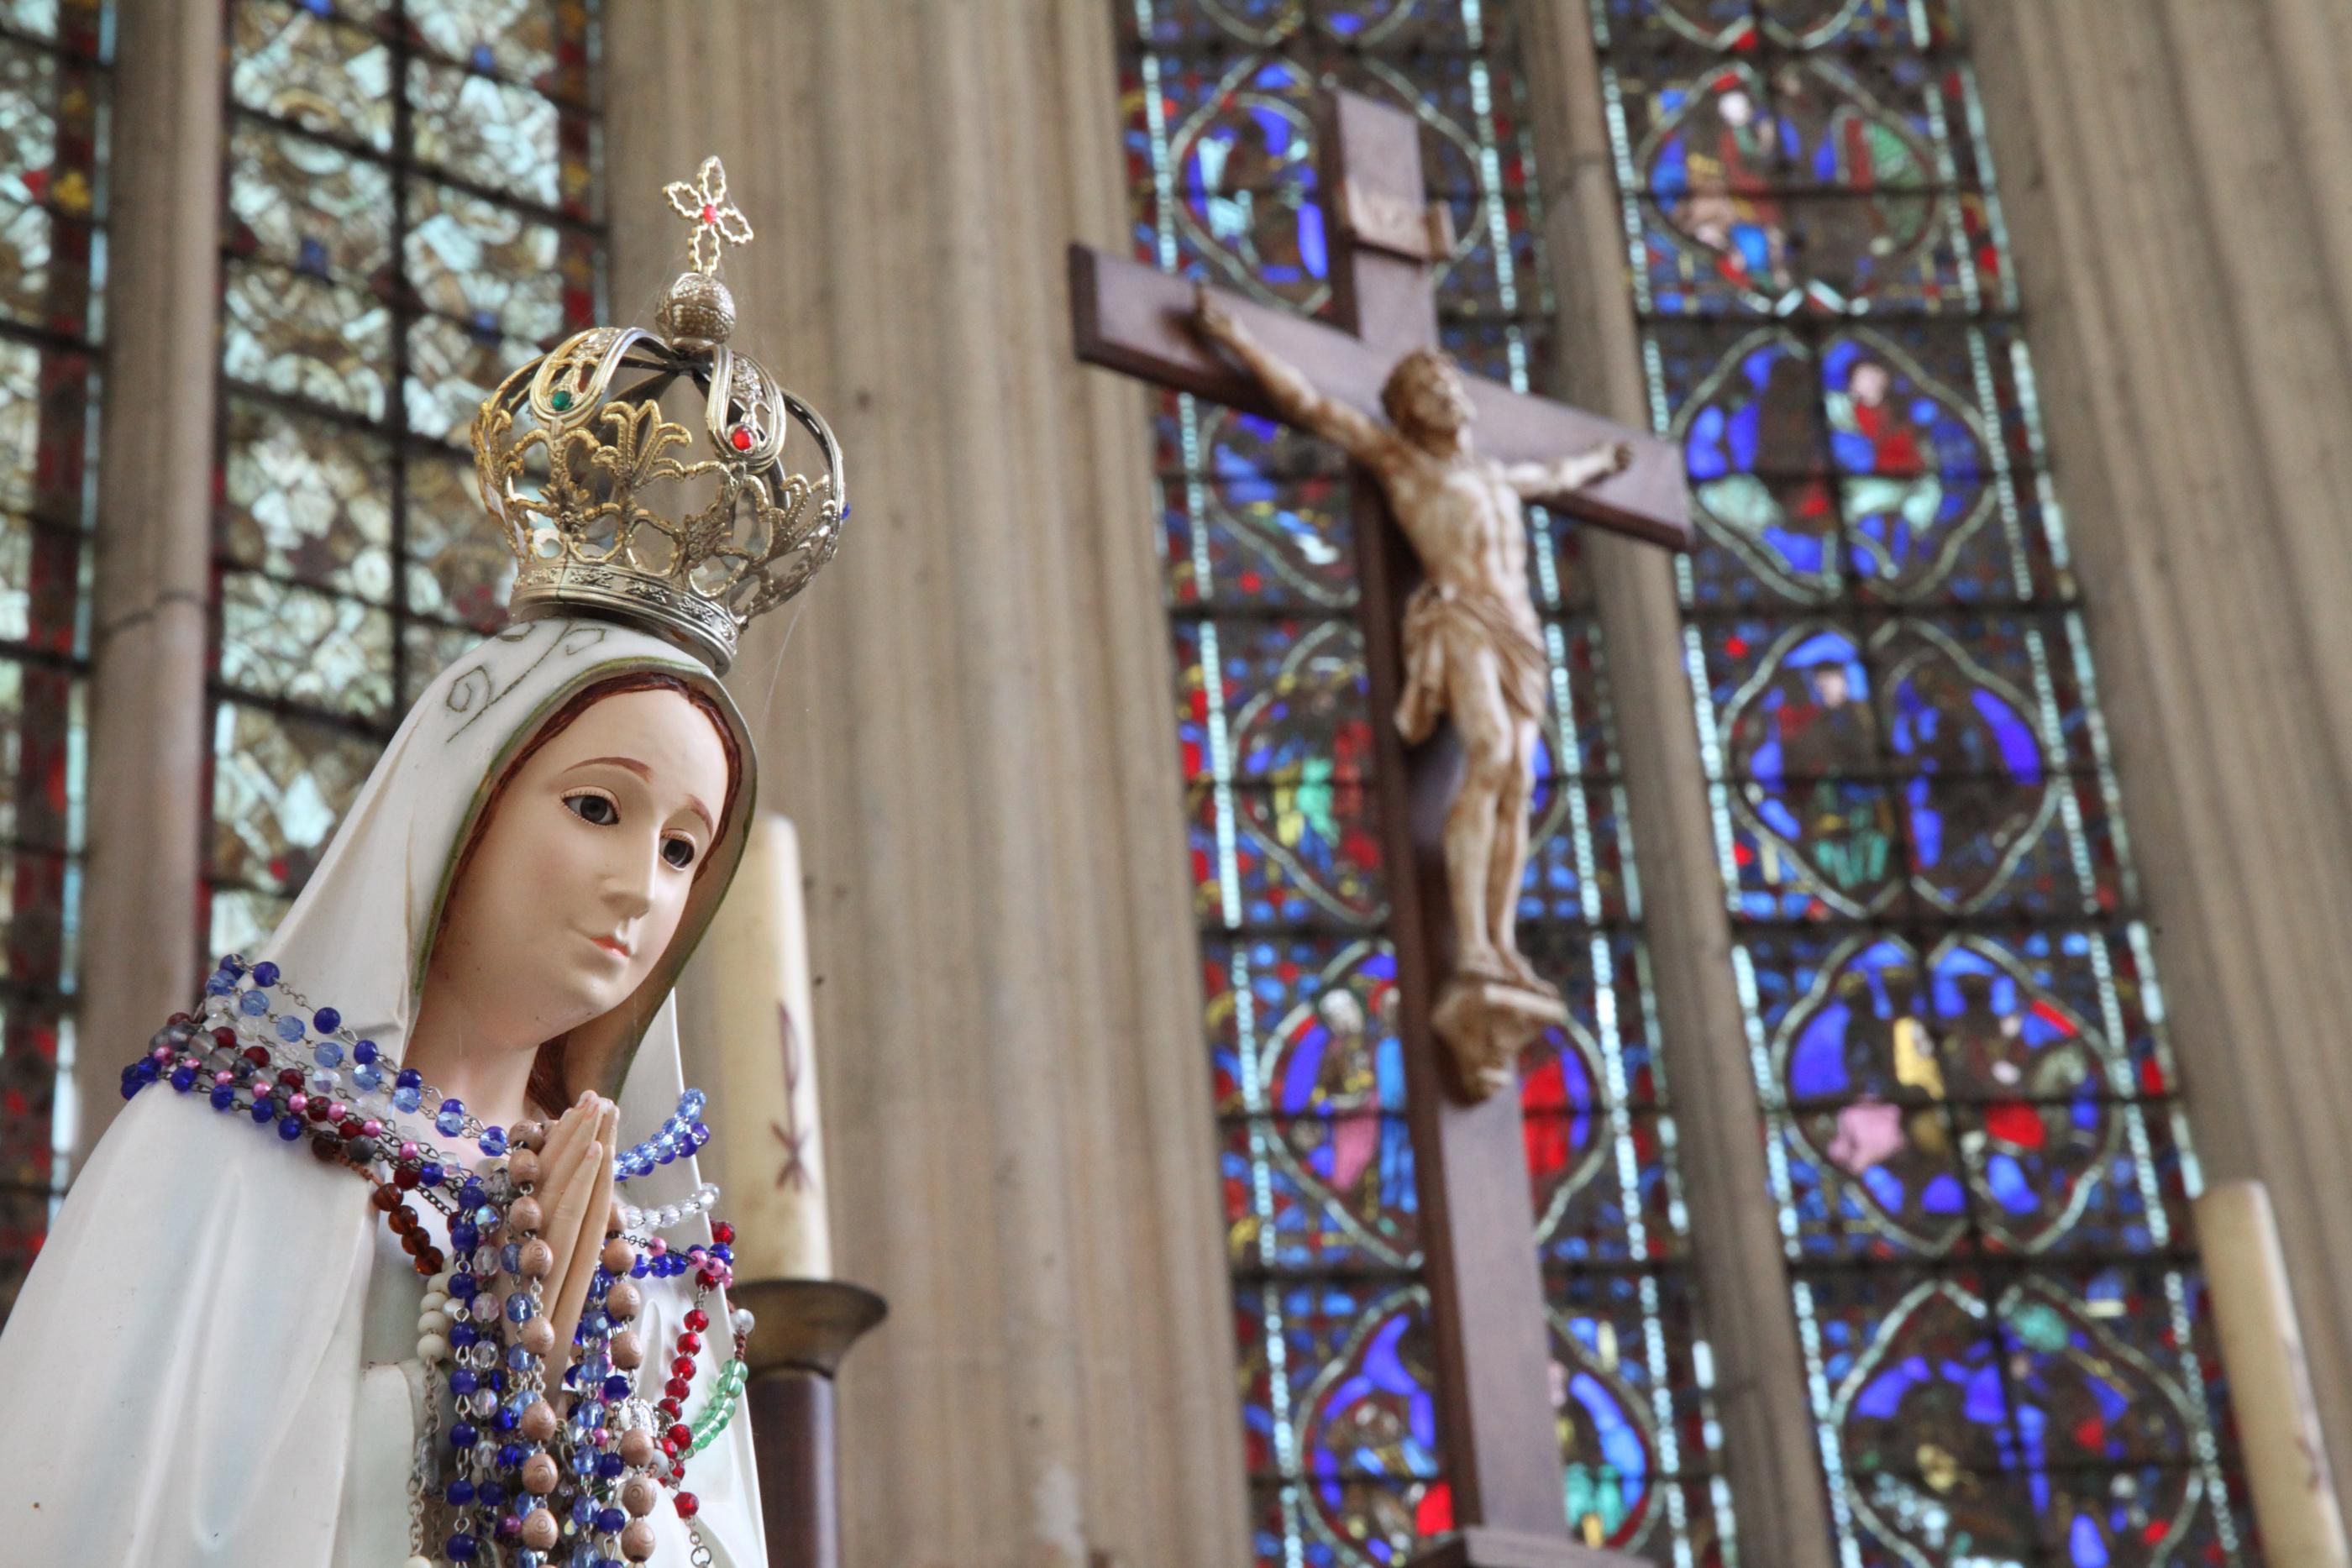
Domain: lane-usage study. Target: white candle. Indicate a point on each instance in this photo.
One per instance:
(2270, 1385)
(764, 1111)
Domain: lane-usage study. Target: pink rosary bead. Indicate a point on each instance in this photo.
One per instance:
(162, 1053)
(409, 1151)
(371, 1128)
(657, 1248)
(224, 1077)
(298, 1104)
(336, 1110)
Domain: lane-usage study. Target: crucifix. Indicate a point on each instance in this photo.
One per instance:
(1442, 463)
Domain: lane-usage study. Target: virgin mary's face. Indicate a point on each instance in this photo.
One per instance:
(581, 874)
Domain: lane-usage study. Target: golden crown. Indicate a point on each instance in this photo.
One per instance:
(575, 458)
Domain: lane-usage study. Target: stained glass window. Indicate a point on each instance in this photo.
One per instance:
(1275, 738)
(53, 87)
(410, 213)
(1972, 1120)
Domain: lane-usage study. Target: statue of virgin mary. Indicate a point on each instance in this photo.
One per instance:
(399, 1254)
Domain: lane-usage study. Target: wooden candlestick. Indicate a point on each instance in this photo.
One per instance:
(800, 1330)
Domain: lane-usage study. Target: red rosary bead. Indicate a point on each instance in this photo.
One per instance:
(257, 1054)
(224, 1038)
(678, 1388)
(689, 1342)
(681, 1433)
(352, 1127)
(404, 1178)
(723, 1234)
(683, 1366)
(666, 1406)
(698, 1319)
(688, 1505)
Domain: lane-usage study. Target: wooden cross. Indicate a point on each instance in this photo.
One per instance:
(1493, 1357)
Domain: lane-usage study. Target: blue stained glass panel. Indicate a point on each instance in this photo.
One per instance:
(1970, 1106)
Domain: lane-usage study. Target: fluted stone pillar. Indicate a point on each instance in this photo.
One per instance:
(2177, 181)
(146, 815)
(968, 718)
(1770, 1447)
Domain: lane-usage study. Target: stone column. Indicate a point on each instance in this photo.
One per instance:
(2177, 188)
(968, 718)
(1769, 1444)
(146, 815)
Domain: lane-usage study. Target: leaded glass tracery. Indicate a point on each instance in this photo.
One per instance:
(1971, 1115)
(1275, 743)
(53, 88)
(410, 212)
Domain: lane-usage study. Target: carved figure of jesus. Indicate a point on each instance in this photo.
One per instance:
(1473, 646)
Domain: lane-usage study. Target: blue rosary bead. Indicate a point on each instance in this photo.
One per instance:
(405, 1101)
(264, 1113)
(462, 1287)
(327, 1053)
(609, 1467)
(463, 1380)
(364, 1053)
(368, 1079)
(463, 1435)
(584, 1509)
(224, 1097)
(610, 1520)
(221, 985)
(520, 1309)
(409, 1078)
(183, 1079)
(451, 1118)
(494, 1494)
(460, 1492)
(290, 1028)
(494, 1141)
(464, 1237)
(253, 1004)
(265, 973)
(429, 1173)
(233, 965)
(461, 1548)
(463, 1335)
(327, 1019)
(690, 1104)
(290, 1128)
(616, 1387)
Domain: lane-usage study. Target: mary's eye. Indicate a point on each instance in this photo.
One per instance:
(595, 809)
(679, 853)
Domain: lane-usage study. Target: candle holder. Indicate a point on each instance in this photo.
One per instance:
(800, 1330)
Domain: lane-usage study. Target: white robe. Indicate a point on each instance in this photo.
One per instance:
(214, 1359)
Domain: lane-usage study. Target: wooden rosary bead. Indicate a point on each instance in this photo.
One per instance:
(532, 1135)
(627, 1351)
(637, 1448)
(539, 1529)
(638, 1495)
(538, 1422)
(523, 1215)
(619, 1257)
(538, 1259)
(523, 1165)
(538, 1475)
(621, 1300)
(537, 1336)
(637, 1540)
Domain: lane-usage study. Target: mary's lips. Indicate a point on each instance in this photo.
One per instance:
(611, 944)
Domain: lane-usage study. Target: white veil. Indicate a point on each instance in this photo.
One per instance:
(189, 1373)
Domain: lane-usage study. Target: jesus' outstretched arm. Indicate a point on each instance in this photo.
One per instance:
(1548, 481)
(1294, 397)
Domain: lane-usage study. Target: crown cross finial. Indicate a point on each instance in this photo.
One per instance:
(716, 219)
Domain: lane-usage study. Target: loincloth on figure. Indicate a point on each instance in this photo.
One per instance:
(1444, 624)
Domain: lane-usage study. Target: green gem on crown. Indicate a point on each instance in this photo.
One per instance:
(559, 402)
